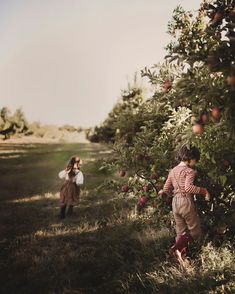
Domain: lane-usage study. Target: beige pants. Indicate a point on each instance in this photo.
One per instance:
(186, 216)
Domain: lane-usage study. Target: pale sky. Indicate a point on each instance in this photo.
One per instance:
(66, 61)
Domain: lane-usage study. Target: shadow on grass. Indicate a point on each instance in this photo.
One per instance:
(92, 251)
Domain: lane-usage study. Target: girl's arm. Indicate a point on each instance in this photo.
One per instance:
(79, 178)
(190, 187)
(62, 174)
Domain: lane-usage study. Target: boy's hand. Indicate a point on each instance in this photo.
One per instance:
(207, 196)
(161, 193)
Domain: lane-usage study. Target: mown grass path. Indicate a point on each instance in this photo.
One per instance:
(103, 248)
(92, 252)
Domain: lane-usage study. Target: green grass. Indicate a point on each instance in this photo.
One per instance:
(103, 248)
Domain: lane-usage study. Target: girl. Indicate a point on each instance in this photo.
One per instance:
(70, 191)
(180, 180)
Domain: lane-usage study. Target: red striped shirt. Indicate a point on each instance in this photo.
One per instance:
(180, 180)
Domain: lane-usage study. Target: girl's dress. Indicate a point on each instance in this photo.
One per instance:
(70, 190)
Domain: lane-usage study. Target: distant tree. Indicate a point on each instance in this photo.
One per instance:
(68, 128)
(10, 125)
(20, 121)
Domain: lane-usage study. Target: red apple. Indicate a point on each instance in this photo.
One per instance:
(149, 221)
(232, 15)
(231, 80)
(212, 61)
(154, 205)
(143, 200)
(168, 200)
(147, 158)
(147, 188)
(122, 173)
(198, 129)
(218, 16)
(139, 157)
(215, 113)
(167, 86)
(153, 176)
(204, 118)
(159, 185)
(125, 188)
(226, 162)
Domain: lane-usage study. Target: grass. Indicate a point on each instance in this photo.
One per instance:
(103, 248)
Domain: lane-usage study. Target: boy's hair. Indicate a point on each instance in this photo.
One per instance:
(188, 152)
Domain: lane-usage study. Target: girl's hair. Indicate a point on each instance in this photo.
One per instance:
(188, 152)
(70, 166)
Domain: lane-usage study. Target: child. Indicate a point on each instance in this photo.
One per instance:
(70, 191)
(180, 180)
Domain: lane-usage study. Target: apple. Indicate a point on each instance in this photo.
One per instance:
(215, 113)
(125, 188)
(159, 185)
(218, 16)
(198, 129)
(153, 176)
(154, 205)
(226, 162)
(139, 157)
(204, 118)
(167, 86)
(232, 15)
(196, 173)
(147, 188)
(231, 80)
(147, 158)
(149, 221)
(122, 173)
(221, 229)
(212, 61)
(168, 200)
(193, 120)
(143, 200)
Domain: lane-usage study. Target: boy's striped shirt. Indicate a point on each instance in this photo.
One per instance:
(180, 180)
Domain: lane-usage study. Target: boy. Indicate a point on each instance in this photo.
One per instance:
(180, 180)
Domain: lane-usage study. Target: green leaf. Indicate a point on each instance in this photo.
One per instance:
(223, 180)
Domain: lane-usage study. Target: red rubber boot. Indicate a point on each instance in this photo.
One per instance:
(180, 248)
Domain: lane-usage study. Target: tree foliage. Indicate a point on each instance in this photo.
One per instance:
(12, 124)
(193, 102)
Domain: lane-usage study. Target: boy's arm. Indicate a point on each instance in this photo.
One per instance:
(190, 187)
(168, 184)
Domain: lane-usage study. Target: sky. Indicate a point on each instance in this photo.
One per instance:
(66, 61)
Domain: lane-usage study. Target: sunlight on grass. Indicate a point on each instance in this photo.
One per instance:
(105, 247)
(36, 198)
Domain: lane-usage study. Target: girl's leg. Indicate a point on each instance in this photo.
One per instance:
(62, 211)
(70, 210)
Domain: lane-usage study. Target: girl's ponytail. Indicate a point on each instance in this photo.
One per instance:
(70, 166)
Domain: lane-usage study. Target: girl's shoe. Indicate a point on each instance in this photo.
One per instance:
(62, 212)
(70, 210)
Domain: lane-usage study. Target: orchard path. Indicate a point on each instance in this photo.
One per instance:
(98, 250)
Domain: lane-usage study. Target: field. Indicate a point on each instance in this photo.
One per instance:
(102, 248)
